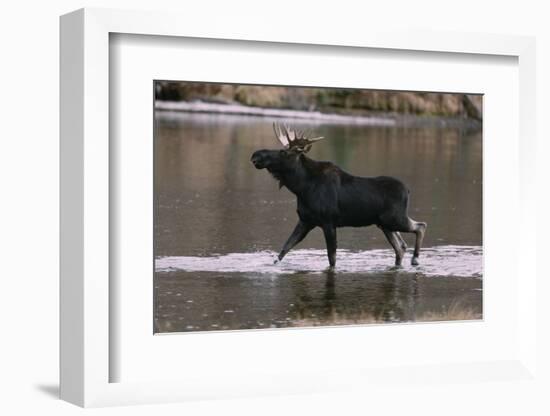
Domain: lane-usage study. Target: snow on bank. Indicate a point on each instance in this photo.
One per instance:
(206, 107)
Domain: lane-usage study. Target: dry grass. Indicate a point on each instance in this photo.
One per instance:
(326, 99)
(455, 312)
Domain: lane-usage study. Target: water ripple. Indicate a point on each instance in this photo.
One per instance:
(463, 261)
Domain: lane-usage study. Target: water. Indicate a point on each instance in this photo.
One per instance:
(219, 223)
(462, 261)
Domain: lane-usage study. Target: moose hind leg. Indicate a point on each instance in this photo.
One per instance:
(419, 228)
(401, 241)
(395, 242)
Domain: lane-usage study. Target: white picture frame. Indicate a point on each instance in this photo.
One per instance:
(86, 356)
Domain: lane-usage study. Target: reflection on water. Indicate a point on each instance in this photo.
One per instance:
(219, 222)
(192, 301)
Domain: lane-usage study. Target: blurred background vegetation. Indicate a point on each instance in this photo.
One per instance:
(328, 100)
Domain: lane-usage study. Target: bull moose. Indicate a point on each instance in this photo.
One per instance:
(328, 197)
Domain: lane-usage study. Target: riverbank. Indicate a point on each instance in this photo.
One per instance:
(356, 117)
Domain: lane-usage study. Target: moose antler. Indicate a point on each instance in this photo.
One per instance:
(294, 139)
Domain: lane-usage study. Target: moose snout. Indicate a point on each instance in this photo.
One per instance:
(257, 160)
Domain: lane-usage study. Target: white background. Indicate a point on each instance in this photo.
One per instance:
(29, 209)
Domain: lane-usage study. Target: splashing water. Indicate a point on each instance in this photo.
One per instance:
(463, 261)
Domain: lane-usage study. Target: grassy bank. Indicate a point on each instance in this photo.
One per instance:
(328, 100)
(456, 311)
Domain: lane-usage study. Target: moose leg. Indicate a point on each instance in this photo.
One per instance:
(419, 228)
(330, 238)
(299, 233)
(401, 240)
(395, 242)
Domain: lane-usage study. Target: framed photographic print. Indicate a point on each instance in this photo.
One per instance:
(275, 214)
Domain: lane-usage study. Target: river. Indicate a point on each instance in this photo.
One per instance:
(220, 222)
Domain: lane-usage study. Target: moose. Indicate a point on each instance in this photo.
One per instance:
(329, 198)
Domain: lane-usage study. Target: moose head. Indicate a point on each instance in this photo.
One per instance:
(295, 143)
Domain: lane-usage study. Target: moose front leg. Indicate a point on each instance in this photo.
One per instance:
(299, 233)
(330, 238)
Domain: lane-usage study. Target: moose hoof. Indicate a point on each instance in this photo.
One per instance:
(414, 261)
(277, 260)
